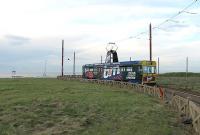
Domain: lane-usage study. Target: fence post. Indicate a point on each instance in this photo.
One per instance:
(188, 108)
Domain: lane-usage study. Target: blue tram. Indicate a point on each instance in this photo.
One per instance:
(143, 72)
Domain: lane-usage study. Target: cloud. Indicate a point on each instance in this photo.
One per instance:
(16, 40)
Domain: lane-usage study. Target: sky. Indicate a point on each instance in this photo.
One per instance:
(31, 32)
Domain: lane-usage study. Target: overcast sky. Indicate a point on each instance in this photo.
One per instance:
(31, 32)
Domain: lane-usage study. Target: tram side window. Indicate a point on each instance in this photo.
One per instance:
(137, 69)
(89, 69)
(86, 69)
(95, 70)
(115, 71)
(106, 73)
(122, 69)
(99, 69)
(140, 69)
(129, 69)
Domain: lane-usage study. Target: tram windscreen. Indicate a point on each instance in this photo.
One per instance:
(149, 69)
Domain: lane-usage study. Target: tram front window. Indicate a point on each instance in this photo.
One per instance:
(149, 69)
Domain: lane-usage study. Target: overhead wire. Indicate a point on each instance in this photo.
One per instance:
(174, 16)
(137, 36)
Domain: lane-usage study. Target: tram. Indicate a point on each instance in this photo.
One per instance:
(142, 72)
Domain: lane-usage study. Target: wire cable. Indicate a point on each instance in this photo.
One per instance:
(179, 13)
(184, 10)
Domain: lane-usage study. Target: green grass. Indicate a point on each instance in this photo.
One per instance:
(50, 106)
(180, 74)
(180, 83)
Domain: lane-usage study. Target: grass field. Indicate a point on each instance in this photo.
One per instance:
(50, 106)
(180, 83)
(180, 74)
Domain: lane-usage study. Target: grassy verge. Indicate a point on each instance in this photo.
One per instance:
(191, 84)
(50, 106)
(180, 74)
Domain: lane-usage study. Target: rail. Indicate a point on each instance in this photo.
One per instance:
(184, 105)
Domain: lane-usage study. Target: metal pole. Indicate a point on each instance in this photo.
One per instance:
(158, 66)
(130, 58)
(150, 41)
(101, 59)
(74, 64)
(186, 75)
(45, 69)
(62, 70)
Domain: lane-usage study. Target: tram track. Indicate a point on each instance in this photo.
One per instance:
(192, 96)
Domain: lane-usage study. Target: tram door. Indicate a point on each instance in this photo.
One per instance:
(99, 72)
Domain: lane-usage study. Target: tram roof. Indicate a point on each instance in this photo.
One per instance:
(138, 62)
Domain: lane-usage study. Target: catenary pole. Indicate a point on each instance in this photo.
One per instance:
(62, 69)
(150, 41)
